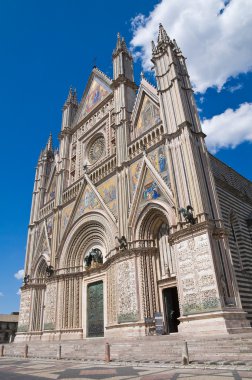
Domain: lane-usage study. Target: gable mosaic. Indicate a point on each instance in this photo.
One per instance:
(149, 116)
(96, 93)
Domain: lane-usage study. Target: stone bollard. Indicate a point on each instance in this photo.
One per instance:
(26, 351)
(59, 352)
(107, 352)
(185, 355)
(2, 351)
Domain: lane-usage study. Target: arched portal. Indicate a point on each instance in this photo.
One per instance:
(84, 250)
(38, 296)
(159, 269)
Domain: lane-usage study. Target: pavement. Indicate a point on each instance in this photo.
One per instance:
(31, 369)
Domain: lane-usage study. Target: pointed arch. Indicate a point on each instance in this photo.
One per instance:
(40, 268)
(38, 296)
(150, 220)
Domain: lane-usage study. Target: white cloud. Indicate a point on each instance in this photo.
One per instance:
(235, 87)
(19, 292)
(1, 294)
(215, 37)
(229, 129)
(20, 274)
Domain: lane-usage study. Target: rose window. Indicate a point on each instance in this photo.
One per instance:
(96, 150)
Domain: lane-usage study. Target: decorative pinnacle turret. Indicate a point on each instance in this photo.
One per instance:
(118, 42)
(120, 45)
(49, 145)
(162, 35)
(163, 41)
(72, 97)
(49, 148)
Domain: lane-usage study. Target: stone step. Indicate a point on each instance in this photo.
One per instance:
(154, 348)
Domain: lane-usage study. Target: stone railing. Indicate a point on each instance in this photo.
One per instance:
(103, 170)
(47, 209)
(72, 191)
(136, 244)
(149, 139)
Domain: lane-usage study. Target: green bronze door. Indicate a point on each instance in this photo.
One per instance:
(95, 318)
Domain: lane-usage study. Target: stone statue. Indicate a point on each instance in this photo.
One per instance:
(26, 279)
(49, 270)
(122, 243)
(188, 214)
(93, 257)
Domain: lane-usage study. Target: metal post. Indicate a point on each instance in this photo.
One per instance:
(59, 352)
(2, 350)
(185, 355)
(26, 351)
(107, 352)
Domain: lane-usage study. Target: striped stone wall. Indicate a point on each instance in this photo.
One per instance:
(235, 197)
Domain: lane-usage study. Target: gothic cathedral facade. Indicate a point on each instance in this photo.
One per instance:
(135, 228)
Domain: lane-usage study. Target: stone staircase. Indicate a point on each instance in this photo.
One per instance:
(155, 349)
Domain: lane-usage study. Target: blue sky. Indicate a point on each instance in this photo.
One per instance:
(47, 46)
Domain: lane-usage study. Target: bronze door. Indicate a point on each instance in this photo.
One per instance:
(95, 316)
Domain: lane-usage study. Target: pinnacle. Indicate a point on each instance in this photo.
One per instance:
(162, 35)
(72, 97)
(49, 145)
(120, 45)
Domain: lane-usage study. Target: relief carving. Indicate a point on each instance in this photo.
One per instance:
(50, 307)
(24, 313)
(198, 284)
(127, 289)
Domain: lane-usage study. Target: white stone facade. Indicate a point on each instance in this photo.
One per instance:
(109, 248)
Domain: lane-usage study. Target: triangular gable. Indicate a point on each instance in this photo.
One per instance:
(150, 187)
(97, 89)
(145, 89)
(88, 200)
(148, 115)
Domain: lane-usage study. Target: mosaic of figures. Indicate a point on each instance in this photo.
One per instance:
(66, 213)
(107, 190)
(159, 161)
(97, 92)
(150, 188)
(88, 202)
(134, 175)
(149, 116)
